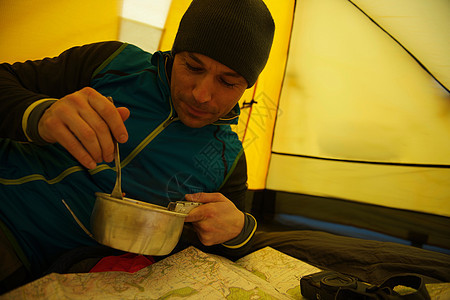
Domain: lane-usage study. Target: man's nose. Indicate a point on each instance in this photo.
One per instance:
(203, 89)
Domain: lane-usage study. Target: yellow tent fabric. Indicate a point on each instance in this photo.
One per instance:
(362, 119)
(256, 123)
(37, 29)
(357, 117)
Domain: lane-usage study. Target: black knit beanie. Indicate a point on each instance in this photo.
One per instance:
(236, 33)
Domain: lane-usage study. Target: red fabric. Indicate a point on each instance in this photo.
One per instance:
(127, 262)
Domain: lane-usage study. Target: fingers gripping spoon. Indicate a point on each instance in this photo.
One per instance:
(117, 191)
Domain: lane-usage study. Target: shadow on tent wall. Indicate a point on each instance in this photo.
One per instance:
(277, 210)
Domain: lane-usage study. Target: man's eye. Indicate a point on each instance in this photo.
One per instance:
(226, 83)
(192, 68)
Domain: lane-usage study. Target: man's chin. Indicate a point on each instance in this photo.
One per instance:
(193, 123)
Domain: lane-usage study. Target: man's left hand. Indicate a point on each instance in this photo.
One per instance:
(216, 221)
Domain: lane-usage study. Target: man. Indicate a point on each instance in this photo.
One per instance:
(57, 129)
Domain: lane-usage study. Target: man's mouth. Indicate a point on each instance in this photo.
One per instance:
(195, 111)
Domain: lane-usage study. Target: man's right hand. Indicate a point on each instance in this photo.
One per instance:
(82, 123)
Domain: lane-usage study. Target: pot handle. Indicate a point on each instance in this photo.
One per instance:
(77, 220)
(183, 207)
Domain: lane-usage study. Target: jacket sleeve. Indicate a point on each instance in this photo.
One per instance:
(25, 87)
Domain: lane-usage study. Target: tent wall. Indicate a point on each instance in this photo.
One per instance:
(36, 29)
(284, 210)
(360, 118)
(142, 22)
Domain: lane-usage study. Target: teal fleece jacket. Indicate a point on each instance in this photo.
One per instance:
(162, 161)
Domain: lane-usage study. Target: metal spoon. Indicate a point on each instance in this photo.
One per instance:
(117, 191)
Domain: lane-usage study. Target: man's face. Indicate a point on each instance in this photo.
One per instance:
(203, 90)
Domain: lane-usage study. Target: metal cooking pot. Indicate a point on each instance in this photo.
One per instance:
(135, 226)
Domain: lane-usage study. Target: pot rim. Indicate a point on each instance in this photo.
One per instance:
(139, 204)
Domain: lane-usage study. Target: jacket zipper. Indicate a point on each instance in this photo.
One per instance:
(168, 121)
